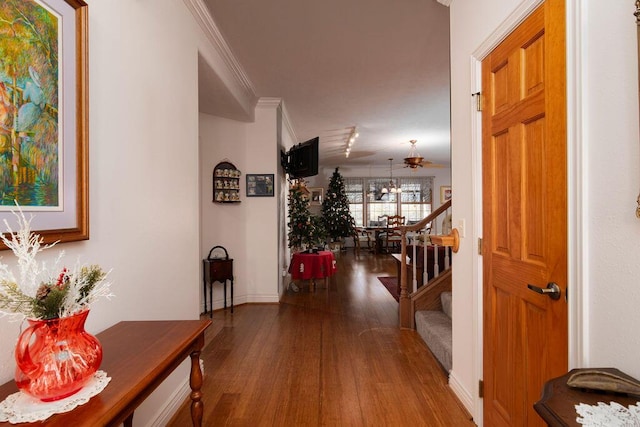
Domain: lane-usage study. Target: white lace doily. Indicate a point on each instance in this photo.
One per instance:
(608, 415)
(20, 407)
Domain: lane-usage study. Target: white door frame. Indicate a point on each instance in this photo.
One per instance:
(576, 204)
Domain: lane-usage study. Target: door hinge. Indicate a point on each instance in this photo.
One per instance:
(480, 388)
(479, 245)
(478, 97)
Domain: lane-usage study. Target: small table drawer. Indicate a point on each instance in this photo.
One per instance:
(219, 270)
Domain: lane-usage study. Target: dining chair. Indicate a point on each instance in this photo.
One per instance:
(361, 238)
(392, 237)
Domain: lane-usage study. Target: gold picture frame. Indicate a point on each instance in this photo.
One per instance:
(637, 15)
(316, 195)
(68, 220)
(445, 193)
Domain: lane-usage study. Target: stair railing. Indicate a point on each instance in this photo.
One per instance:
(425, 227)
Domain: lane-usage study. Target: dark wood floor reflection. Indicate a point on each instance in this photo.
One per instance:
(334, 357)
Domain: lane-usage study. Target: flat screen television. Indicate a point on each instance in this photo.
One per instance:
(303, 159)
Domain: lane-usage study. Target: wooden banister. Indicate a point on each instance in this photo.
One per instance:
(433, 215)
(405, 311)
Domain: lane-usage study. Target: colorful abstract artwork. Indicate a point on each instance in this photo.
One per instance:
(30, 143)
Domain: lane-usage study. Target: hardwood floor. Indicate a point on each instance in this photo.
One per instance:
(334, 357)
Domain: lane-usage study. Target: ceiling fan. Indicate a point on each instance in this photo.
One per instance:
(415, 160)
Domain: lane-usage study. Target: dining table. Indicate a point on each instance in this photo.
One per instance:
(377, 230)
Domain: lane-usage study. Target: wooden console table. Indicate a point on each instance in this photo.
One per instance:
(138, 356)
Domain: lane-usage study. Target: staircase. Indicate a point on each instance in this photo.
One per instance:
(421, 233)
(434, 326)
(427, 308)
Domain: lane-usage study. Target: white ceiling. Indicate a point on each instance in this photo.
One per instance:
(379, 65)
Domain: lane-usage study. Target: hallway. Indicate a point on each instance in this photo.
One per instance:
(334, 357)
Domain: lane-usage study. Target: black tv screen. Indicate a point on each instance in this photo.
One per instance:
(303, 159)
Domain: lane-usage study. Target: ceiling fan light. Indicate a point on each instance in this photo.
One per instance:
(413, 160)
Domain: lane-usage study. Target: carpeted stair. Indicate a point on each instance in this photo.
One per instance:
(435, 329)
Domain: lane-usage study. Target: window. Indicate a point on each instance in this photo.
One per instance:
(368, 201)
(416, 198)
(379, 203)
(354, 189)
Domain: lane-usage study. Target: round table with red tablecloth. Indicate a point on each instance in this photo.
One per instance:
(311, 266)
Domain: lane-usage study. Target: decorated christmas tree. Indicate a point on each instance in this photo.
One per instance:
(336, 216)
(304, 228)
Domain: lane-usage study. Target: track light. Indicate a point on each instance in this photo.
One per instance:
(351, 139)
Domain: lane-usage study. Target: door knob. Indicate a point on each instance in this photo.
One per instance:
(552, 290)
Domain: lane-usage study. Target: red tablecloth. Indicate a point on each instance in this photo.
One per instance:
(312, 266)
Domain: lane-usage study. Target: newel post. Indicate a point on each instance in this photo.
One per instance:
(405, 301)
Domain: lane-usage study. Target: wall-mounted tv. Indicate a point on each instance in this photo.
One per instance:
(302, 159)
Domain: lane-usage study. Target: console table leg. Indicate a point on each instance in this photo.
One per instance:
(128, 422)
(232, 295)
(195, 381)
(225, 293)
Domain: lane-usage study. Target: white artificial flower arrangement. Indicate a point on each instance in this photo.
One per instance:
(40, 292)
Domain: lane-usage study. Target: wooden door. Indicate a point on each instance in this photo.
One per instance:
(524, 216)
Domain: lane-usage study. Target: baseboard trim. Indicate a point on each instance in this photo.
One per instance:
(218, 303)
(262, 298)
(463, 395)
(175, 402)
(173, 405)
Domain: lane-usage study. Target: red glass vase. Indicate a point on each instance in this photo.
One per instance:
(57, 357)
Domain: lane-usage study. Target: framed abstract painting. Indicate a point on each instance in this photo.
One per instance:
(44, 116)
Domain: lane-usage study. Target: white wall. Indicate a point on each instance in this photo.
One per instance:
(610, 135)
(248, 230)
(286, 140)
(262, 156)
(604, 173)
(144, 197)
(222, 224)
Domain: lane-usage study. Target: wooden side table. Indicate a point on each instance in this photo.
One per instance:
(557, 404)
(217, 270)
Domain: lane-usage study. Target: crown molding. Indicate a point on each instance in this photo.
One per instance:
(273, 102)
(286, 120)
(268, 102)
(204, 19)
(445, 2)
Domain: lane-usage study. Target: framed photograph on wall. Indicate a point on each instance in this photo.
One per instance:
(260, 185)
(445, 193)
(315, 195)
(43, 108)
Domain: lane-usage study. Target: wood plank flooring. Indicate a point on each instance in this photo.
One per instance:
(334, 357)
